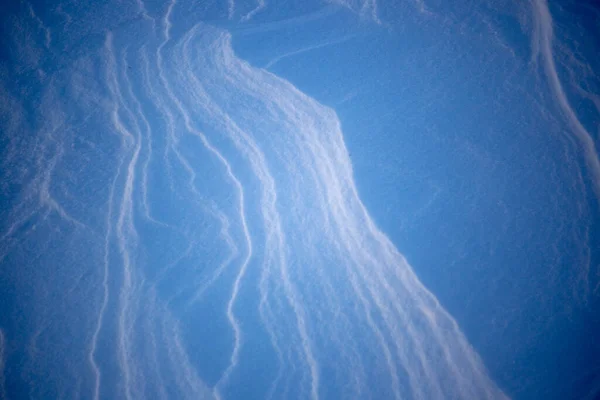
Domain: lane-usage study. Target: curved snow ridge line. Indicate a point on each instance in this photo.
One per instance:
(128, 120)
(249, 148)
(233, 320)
(124, 229)
(321, 150)
(37, 198)
(224, 265)
(473, 361)
(190, 385)
(542, 44)
(119, 224)
(149, 146)
(161, 95)
(410, 328)
(107, 249)
(260, 5)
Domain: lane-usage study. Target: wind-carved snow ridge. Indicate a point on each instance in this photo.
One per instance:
(542, 45)
(326, 271)
(227, 244)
